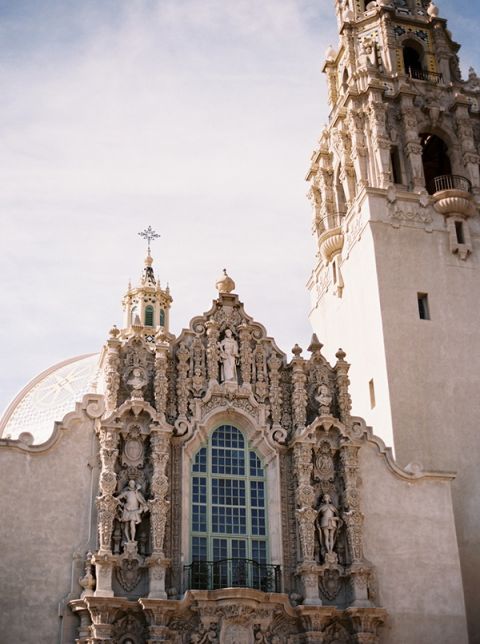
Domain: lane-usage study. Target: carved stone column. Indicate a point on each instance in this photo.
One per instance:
(359, 148)
(104, 564)
(343, 382)
(245, 335)
(366, 622)
(212, 351)
(183, 357)
(102, 614)
(159, 507)
(381, 141)
(299, 394)
(112, 375)
(274, 364)
(413, 149)
(306, 515)
(161, 380)
(106, 509)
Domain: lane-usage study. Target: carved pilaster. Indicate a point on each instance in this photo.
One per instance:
(352, 516)
(159, 504)
(299, 393)
(199, 374)
(343, 395)
(212, 350)
(112, 374)
(261, 385)
(183, 357)
(274, 364)
(359, 149)
(104, 563)
(377, 111)
(366, 622)
(304, 499)
(161, 380)
(245, 336)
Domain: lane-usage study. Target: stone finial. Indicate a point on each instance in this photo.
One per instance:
(432, 10)
(114, 331)
(225, 284)
(315, 344)
(340, 355)
(297, 350)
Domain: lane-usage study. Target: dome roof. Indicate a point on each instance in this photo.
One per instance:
(50, 396)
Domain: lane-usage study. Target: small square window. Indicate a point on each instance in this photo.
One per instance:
(423, 309)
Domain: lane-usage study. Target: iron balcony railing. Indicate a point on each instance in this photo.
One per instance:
(228, 573)
(451, 182)
(424, 75)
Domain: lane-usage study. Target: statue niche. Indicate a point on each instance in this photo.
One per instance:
(228, 357)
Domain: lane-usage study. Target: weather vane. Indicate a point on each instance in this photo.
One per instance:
(149, 234)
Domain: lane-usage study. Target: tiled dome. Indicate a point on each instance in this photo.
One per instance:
(48, 397)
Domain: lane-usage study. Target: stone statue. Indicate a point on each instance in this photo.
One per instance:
(228, 357)
(132, 508)
(328, 522)
(324, 398)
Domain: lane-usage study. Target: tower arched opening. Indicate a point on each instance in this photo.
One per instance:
(436, 161)
(413, 59)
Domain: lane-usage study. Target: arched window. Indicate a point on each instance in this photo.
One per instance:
(149, 315)
(436, 162)
(412, 59)
(133, 314)
(228, 514)
(162, 317)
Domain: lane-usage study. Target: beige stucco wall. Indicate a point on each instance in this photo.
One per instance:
(429, 368)
(45, 507)
(410, 538)
(354, 323)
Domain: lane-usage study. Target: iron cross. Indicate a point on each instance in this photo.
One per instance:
(149, 234)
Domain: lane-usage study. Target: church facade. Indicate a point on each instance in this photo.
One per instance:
(209, 488)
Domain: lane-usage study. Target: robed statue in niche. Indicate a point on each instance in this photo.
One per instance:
(228, 349)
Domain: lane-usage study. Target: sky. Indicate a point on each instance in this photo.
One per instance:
(197, 117)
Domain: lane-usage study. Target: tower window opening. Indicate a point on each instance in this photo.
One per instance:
(395, 165)
(371, 389)
(345, 80)
(133, 315)
(149, 316)
(436, 161)
(459, 232)
(162, 317)
(423, 308)
(412, 60)
(334, 272)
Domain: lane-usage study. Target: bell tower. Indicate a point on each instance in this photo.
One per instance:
(395, 189)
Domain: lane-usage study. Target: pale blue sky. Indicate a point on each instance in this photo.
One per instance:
(197, 117)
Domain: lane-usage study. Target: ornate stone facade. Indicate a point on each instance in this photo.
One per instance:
(225, 366)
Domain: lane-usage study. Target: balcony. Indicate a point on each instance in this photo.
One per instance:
(423, 75)
(451, 182)
(232, 573)
(452, 196)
